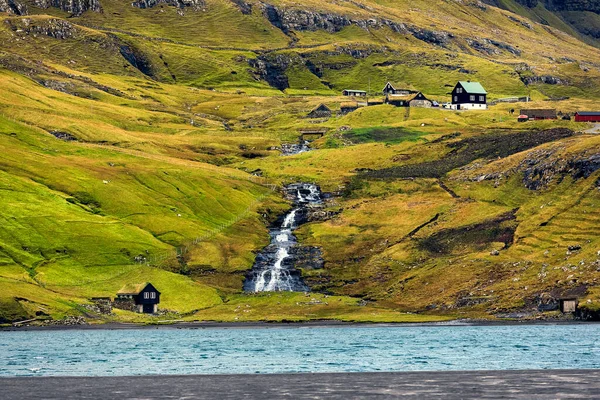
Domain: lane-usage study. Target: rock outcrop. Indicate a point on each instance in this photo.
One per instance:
(272, 69)
(53, 27)
(244, 7)
(570, 5)
(290, 20)
(195, 5)
(544, 167)
(75, 7)
(547, 79)
(13, 7)
(557, 5)
(492, 47)
(136, 58)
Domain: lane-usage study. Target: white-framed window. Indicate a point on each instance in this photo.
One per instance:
(481, 98)
(459, 90)
(152, 295)
(146, 295)
(455, 98)
(472, 97)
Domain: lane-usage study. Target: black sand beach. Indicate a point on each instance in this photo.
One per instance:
(528, 384)
(280, 325)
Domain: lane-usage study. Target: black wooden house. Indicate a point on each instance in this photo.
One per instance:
(469, 95)
(143, 295)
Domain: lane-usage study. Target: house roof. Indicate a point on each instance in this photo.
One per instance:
(399, 96)
(133, 289)
(413, 96)
(405, 97)
(321, 107)
(539, 112)
(472, 87)
(354, 90)
(399, 87)
(349, 105)
(588, 113)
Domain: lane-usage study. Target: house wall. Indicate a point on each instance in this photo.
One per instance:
(470, 106)
(125, 304)
(587, 118)
(353, 94)
(421, 103)
(320, 114)
(465, 98)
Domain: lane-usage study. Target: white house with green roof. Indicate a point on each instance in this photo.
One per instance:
(469, 95)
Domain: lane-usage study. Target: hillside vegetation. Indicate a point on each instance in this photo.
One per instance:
(141, 142)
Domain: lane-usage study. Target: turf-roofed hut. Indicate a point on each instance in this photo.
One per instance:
(143, 296)
(347, 108)
(468, 95)
(322, 111)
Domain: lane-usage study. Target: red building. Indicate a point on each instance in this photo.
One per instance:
(587, 116)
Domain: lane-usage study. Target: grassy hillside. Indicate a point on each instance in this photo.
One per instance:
(132, 140)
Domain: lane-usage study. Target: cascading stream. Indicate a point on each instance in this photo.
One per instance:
(274, 268)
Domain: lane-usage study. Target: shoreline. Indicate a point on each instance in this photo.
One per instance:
(286, 325)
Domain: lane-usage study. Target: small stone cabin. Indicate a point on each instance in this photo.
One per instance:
(144, 295)
(347, 108)
(539, 114)
(568, 305)
(322, 111)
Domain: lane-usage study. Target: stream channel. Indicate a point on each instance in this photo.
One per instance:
(274, 267)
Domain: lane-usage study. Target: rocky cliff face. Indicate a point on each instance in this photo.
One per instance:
(559, 5)
(571, 12)
(244, 7)
(75, 7)
(290, 20)
(572, 5)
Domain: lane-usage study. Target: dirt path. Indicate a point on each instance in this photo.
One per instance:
(593, 129)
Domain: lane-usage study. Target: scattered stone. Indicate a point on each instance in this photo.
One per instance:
(67, 137)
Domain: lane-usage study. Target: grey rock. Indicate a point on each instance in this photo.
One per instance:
(546, 79)
(75, 7)
(13, 7)
(195, 5)
(244, 7)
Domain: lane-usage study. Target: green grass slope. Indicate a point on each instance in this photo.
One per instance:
(131, 139)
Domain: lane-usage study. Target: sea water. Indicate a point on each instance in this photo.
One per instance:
(297, 349)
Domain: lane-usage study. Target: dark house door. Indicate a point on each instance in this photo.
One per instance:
(148, 308)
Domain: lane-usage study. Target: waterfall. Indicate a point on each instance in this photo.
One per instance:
(273, 270)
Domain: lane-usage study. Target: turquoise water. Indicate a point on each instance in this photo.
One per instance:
(298, 349)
